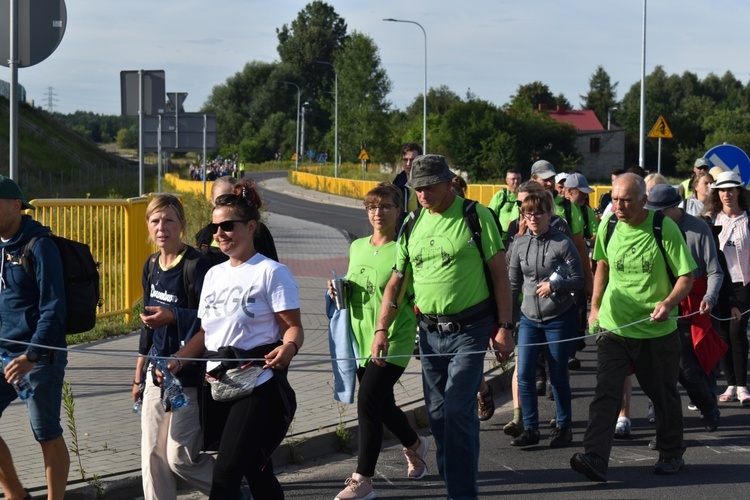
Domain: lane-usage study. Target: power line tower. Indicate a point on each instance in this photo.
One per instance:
(51, 99)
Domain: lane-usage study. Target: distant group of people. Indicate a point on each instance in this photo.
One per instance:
(218, 168)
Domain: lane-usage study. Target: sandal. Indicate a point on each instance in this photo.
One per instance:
(743, 396)
(729, 395)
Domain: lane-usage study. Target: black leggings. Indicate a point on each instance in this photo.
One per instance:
(249, 438)
(734, 361)
(376, 405)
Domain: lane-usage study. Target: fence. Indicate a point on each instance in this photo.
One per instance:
(350, 188)
(118, 237)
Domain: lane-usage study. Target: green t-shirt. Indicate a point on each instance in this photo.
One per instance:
(445, 263)
(370, 268)
(576, 220)
(638, 277)
(503, 203)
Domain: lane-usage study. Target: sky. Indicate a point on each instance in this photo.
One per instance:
(488, 47)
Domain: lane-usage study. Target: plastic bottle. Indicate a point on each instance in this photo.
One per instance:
(171, 384)
(560, 273)
(23, 386)
(137, 406)
(595, 328)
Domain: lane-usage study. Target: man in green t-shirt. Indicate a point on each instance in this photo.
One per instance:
(456, 321)
(503, 203)
(635, 303)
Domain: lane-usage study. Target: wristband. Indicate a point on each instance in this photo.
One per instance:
(136, 383)
(507, 326)
(381, 330)
(179, 363)
(296, 347)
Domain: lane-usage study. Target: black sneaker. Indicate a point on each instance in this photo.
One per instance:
(668, 466)
(541, 387)
(711, 422)
(560, 438)
(590, 465)
(527, 438)
(574, 363)
(485, 405)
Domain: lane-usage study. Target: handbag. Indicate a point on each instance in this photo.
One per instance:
(235, 383)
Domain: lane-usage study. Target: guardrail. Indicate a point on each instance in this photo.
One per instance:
(351, 188)
(117, 236)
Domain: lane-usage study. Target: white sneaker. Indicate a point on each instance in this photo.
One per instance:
(358, 487)
(622, 429)
(415, 459)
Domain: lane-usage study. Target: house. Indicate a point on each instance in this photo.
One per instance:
(601, 150)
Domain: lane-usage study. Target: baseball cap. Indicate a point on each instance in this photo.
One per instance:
(428, 170)
(560, 177)
(702, 163)
(9, 190)
(579, 182)
(543, 169)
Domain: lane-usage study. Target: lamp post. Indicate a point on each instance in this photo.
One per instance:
(302, 132)
(335, 119)
(424, 119)
(642, 131)
(296, 137)
(609, 116)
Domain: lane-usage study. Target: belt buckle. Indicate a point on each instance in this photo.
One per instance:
(450, 327)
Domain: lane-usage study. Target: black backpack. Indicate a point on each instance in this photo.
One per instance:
(81, 277)
(471, 218)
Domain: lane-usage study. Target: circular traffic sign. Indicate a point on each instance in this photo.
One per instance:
(730, 157)
(39, 32)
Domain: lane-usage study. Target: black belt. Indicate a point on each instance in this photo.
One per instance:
(452, 323)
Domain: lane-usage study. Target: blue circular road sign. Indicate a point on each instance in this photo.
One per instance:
(730, 157)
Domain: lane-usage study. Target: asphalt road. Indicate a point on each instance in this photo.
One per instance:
(351, 220)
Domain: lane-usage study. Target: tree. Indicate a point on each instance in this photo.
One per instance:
(316, 35)
(534, 95)
(363, 107)
(602, 94)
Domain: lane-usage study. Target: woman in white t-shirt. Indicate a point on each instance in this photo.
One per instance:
(249, 309)
(728, 205)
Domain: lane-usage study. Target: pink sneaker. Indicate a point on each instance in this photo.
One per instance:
(358, 487)
(415, 459)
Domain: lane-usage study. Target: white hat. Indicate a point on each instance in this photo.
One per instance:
(728, 179)
(560, 177)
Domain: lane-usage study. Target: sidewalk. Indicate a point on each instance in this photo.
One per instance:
(100, 375)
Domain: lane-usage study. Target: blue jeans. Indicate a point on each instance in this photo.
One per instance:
(532, 332)
(451, 382)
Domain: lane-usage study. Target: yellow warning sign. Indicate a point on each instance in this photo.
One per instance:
(661, 130)
(294, 157)
(363, 155)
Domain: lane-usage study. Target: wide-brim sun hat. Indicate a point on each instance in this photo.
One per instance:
(727, 179)
(428, 170)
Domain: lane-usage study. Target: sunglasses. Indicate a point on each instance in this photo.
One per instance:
(226, 226)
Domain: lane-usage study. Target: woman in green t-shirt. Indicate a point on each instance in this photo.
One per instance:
(370, 266)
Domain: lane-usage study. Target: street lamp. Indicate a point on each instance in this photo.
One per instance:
(296, 137)
(609, 116)
(424, 125)
(335, 120)
(302, 133)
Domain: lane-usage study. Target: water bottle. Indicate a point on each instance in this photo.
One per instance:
(172, 387)
(595, 328)
(23, 386)
(560, 273)
(138, 405)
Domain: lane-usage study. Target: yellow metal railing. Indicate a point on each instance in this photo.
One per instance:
(350, 188)
(189, 186)
(117, 236)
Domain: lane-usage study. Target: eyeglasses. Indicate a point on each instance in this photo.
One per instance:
(533, 215)
(383, 208)
(226, 226)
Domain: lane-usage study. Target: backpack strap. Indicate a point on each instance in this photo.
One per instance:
(189, 266)
(405, 231)
(568, 212)
(27, 256)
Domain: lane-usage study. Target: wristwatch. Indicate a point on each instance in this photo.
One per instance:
(32, 356)
(507, 326)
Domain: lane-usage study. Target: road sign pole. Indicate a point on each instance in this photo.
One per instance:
(140, 133)
(158, 161)
(658, 160)
(205, 132)
(13, 64)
